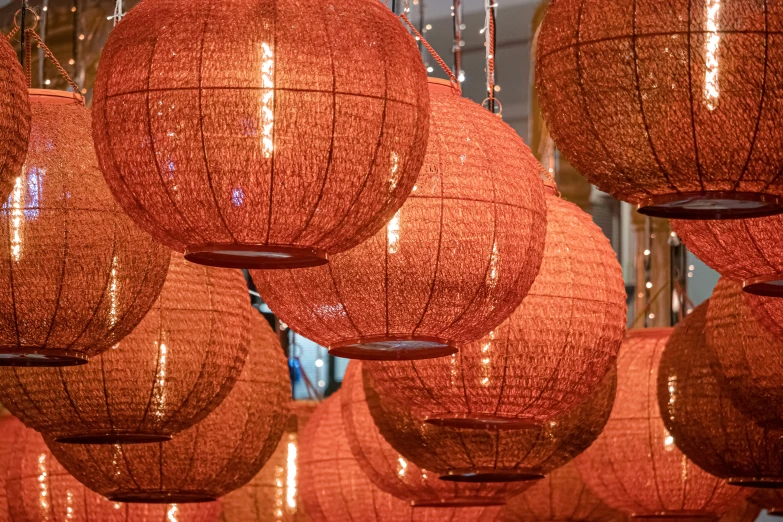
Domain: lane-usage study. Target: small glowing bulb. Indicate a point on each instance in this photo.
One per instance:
(321, 384)
(649, 284)
(319, 363)
(647, 252)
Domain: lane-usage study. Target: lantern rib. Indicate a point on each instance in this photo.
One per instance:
(105, 395)
(652, 408)
(342, 302)
(690, 99)
(755, 244)
(464, 384)
(60, 285)
(501, 392)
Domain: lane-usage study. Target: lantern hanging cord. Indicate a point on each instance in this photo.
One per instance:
(435, 55)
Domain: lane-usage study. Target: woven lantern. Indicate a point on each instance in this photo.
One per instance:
(634, 466)
(467, 455)
(14, 118)
(702, 419)
(750, 358)
(394, 474)
(668, 106)
(451, 265)
(76, 274)
(274, 493)
(261, 133)
(546, 357)
(164, 377)
(40, 490)
(334, 487)
(562, 496)
(218, 455)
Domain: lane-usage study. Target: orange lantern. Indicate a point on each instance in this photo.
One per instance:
(14, 118)
(261, 134)
(452, 264)
(671, 107)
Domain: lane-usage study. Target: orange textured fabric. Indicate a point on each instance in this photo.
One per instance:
(668, 105)
(750, 358)
(40, 490)
(334, 487)
(14, 118)
(452, 264)
(469, 455)
(635, 466)
(699, 413)
(768, 311)
(218, 455)
(76, 275)
(393, 473)
(168, 374)
(545, 358)
(265, 133)
(562, 496)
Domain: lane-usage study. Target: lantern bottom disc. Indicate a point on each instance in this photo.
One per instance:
(31, 357)
(161, 497)
(492, 475)
(766, 286)
(757, 482)
(483, 422)
(461, 502)
(231, 255)
(393, 348)
(115, 437)
(711, 205)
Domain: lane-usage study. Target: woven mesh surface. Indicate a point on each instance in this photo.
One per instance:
(750, 358)
(394, 474)
(547, 356)
(274, 495)
(562, 496)
(40, 490)
(510, 454)
(768, 311)
(454, 262)
(292, 123)
(656, 98)
(216, 456)
(14, 118)
(76, 275)
(168, 374)
(701, 417)
(634, 466)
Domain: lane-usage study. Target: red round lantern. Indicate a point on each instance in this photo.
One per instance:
(168, 374)
(14, 118)
(218, 455)
(77, 275)
(455, 261)
(261, 134)
(634, 466)
(396, 475)
(669, 107)
(509, 378)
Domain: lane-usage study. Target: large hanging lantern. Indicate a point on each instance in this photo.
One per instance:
(671, 107)
(76, 275)
(40, 490)
(334, 487)
(261, 134)
(168, 374)
(546, 357)
(452, 264)
(216, 456)
(748, 355)
(468, 455)
(562, 496)
(396, 475)
(14, 118)
(634, 465)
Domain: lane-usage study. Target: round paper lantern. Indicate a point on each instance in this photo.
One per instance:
(218, 455)
(750, 358)
(546, 357)
(702, 419)
(634, 465)
(76, 275)
(394, 474)
(274, 493)
(334, 487)
(40, 490)
(467, 455)
(562, 496)
(168, 374)
(669, 107)
(14, 118)
(452, 264)
(261, 134)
